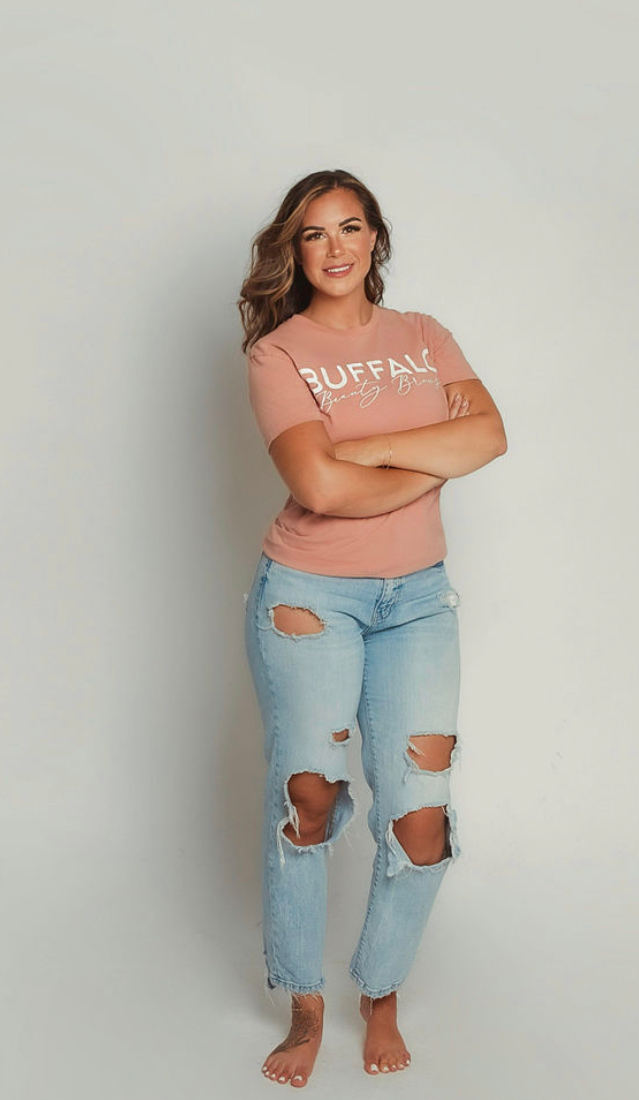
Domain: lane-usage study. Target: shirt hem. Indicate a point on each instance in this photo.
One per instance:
(329, 570)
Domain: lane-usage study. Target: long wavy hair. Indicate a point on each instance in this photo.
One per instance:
(276, 286)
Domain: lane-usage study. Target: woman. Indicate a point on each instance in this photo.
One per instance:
(351, 620)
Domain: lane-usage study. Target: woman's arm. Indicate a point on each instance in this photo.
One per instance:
(311, 465)
(368, 491)
(304, 457)
(445, 448)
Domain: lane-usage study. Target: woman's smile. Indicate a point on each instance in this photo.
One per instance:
(338, 272)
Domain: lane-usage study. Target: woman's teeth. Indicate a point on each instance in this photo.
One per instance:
(338, 270)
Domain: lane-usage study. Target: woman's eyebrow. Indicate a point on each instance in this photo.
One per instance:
(353, 219)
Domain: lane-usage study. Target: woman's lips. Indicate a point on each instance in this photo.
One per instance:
(338, 274)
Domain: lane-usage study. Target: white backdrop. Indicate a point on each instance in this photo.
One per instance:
(144, 145)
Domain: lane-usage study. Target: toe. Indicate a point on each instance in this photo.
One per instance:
(298, 1080)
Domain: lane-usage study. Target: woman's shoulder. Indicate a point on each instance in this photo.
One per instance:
(414, 320)
(277, 341)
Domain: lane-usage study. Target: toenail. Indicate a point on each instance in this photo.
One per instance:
(298, 1077)
(385, 1069)
(373, 1067)
(281, 1078)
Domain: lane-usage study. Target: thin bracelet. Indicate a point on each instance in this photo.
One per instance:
(390, 453)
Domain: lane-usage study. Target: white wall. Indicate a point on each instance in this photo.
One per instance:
(144, 144)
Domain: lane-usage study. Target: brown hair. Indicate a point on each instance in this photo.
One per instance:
(276, 286)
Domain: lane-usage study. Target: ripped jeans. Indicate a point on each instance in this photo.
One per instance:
(383, 655)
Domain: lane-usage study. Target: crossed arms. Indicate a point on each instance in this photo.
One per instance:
(350, 478)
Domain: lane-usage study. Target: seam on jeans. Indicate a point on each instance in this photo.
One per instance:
(274, 765)
(379, 854)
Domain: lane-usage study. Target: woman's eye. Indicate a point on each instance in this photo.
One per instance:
(312, 236)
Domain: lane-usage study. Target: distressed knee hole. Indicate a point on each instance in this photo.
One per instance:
(424, 835)
(431, 751)
(295, 621)
(341, 736)
(318, 811)
(312, 797)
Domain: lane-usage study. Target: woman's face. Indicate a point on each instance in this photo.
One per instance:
(335, 234)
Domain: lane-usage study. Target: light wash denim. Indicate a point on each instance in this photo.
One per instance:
(385, 660)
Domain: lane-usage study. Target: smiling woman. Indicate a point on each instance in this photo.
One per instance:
(361, 409)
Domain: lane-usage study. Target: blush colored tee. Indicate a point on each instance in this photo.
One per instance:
(384, 376)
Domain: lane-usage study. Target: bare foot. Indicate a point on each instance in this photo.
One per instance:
(293, 1060)
(384, 1049)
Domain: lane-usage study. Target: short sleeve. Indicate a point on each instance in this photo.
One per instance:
(444, 353)
(279, 396)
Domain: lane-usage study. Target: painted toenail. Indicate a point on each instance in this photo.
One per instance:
(373, 1067)
(385, 1069)
(281, 1078)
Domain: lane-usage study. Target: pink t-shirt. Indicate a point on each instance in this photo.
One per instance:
(387, 375)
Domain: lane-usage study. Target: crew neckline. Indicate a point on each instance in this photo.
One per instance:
(343, 331)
